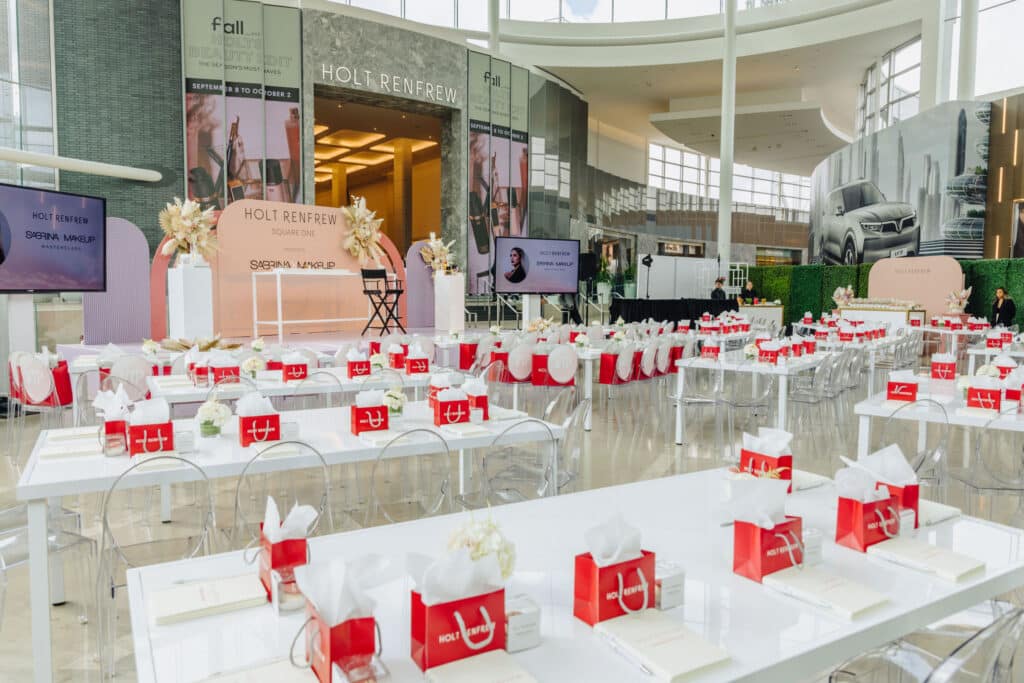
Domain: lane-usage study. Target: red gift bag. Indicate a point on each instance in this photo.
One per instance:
(115, 436)
(467, 355)
(808, 319)
(351, 644)
(675, 353)
(358, 368)
(259, 428)
(915, 322)
(275, 365)
(1012, 394)
(993, 343)
(601, 593)
(371, 419)
(222, 374)
(861, 525)
(1006, 337)
(821, 334)
(480, 403)
(151, 438)
(768, 356)
(291, 372)
(709, 352)
(1004, 370)
(758, 552)
(539, 370)
(606, 372)
(956, 325)
(200, 374)
(572, 336)
(282, 557)
(61, 395)
(450, 631)
(811, 344)
(417, 366)
(989, 399)
(450, 412)
(770, 466)
(846, 336)
(797, 349)
(374, 347)
(396, 361)
(907, 497)
(901, 391)
(941, 370)
(503, 375)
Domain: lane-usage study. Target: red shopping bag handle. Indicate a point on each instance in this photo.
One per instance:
(622, 601)
(465, 634)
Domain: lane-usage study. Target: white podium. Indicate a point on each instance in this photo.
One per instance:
(189, 302)
(450, 301)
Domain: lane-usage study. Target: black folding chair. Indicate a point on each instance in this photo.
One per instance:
(383, 295)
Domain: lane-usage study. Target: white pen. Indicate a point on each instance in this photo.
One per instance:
(614, 645)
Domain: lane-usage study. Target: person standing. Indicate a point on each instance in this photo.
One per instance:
(718, 293)
(1003, 309)
(749, 293)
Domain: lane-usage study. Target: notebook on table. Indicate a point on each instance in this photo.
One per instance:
(465, 429)
(820, 587)
(499, 413)
(186, 601)
(72, 434)
(496, 666)
(929, 559)
(279, 671)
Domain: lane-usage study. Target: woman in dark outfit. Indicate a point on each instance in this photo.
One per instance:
(718, 293)
(1003, 309)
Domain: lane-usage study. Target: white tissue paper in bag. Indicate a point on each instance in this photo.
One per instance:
(108, 355)
(454, 576)
(771, 346)
(474, 387)
(858, 484)
(395, 348)
(416, 351)
(369, 399)
(295, 525)
(1004, 361)
(440, 380)
(772, 442)
(451, 395)
(49, 358)
(985, 382)
(942, 358)
(353, 355)
(254, 404)
(889, 466)
(113, 405)
(759, 501)
(294, 358)
(338, 589)
(904, 377)
(153, 411)
(1015, 378)
(221, 359)
(613, 541)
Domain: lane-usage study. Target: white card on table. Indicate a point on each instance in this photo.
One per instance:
(465, 429)
(72, 433)
(206, 598)
(280, 671)
(662, 645)
(830, 591)
(380, 438)
(159, 464)
(927, 558)
(499, 413)
(71, 449)
(929, 512)
(986, 413)
(496, 666)
(279, 451)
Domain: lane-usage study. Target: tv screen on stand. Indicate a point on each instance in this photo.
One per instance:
(536, 266)
(51, 241)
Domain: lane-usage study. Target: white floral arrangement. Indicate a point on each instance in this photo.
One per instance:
(618, 336)
(252, 365)
(150, 347)
(582, 340)
(213, 412)
(483, 538)
(750, 351)
(843, 296)
(538, 325)
(363, 239)
(619, 322)
(378, 360)
(257, 344)
(187, 227)
(394, 399)
(957, 300)
(436, 254)
(454, 334)
(987, 371)
(495, 329)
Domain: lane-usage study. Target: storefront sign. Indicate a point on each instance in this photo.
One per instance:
(391, 83)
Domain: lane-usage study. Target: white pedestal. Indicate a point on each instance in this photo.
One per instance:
(189, 302)
(531, 308)
(450, 302)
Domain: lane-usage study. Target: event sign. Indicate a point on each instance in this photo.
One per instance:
(536, 266)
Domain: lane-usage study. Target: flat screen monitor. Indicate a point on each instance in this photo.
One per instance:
(51, 241)
(536, 266)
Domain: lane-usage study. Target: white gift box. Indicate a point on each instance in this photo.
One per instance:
(669, 585)
(522, 616)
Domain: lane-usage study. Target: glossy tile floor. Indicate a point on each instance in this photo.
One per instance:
(631, 440)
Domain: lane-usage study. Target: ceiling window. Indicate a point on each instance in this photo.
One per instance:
(890, 91)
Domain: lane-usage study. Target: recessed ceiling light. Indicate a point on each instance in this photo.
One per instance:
(326, 152)
(319, 128)
(368, 158)
(351, 138)
(321, 177)
(415, 145)
(348, 168)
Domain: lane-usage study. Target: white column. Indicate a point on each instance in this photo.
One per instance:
(936, 46)
(725, 152)
(493, 16)
(968, 50)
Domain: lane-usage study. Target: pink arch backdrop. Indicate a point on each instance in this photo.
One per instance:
(260, 235)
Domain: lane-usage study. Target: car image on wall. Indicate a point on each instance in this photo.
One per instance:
(860, 226)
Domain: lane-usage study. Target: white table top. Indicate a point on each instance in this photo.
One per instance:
(770, 637)
(878, 406)
(875, 344)
(326, 429)
(981, 350)
(736, 361)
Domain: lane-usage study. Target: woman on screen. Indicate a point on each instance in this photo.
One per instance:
(518, 272)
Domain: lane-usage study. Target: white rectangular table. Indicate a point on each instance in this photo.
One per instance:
(976, 350)
(280, 321)
(954, 336)
(771, 638)
(327, 430)
(736, 362)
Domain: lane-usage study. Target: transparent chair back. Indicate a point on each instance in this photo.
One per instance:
(230, 388)
(992, 655)
(925, 447)
(134, 369)
(520, 463)
(320, 389)
(559, 407)
(411, 478)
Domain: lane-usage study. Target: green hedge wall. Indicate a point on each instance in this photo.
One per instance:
(984, 276)
(777, 283)
(805, 291)
(1015, 285)
(862, 280)
(837, 276)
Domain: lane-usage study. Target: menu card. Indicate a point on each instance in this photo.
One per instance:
(820, 587)
(186, 601)
(927, 558)
(496, 666)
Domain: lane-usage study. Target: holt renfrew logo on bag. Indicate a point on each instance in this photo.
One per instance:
(626, 592)
(785, 548)
(455, 636)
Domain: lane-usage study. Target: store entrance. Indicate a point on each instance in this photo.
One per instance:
(382, 150)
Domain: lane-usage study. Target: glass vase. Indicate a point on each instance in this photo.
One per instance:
(208, 430)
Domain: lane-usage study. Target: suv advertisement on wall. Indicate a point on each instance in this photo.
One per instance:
(916, 188)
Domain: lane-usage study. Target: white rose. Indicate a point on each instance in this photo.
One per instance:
(253, 364)
(582, 340)
(378, 360)
(214, 412)
(495, 329)
(149, 346)
(257, 344)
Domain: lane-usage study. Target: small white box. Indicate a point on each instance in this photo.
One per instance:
(284, 597)
(669, 585)
(289, 431)
(522, 628)
(184, 441)
(812, 546)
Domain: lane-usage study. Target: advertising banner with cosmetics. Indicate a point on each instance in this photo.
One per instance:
(243, 77)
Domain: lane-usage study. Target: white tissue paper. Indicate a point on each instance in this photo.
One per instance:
(454, 576)
(221, 359)
(338, 589)
(153, 411)
(108, 355)
(369, 399)
(985, 382)
(354, 355)
(295, 525)
(451, 395)
(904, 377)
(294, 358)
(395, 348)
(49, 358)
(613, 541)
(254, 404)
(943, 358)
(771, 345)
(1015, 379)
(771, 442)
(113, 405)
(440, 380)
(759, 501)
(889, 466)
(416, 351)
(1004, 361)
(474, 387)
(859, 484)
(993, 335)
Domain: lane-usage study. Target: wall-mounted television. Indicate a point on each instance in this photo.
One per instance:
(51, 241)
(526, 265)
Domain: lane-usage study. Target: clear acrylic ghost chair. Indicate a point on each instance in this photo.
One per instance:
(426, 343)
(320, 389)
(811, 397)
(38, 395)
(897, 662)
(570, 445)
(133, 535)
(311, 356)
(499, 392)
(518, 465)
(925, 447)
(231, 388)
(992, 655)
(134, 369)
(749, 394)
(996, 470)
(560, 405)
(411, 478)
(563, 366)
(263, 477)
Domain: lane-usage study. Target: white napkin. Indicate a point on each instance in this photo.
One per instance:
(454, 576)
(474, 387)
(759, 501)
(113, 405)
(294, 358)
(395, 348)
(416, 351)
(295, 525)
(108, 355)
(441, 380)
(153, 411)
(859, 484)
(451, 395)
(355, 355)
(904, 376)
(254, 404)
(612, 541)
(943, 358)
(221, 359)
(338, 589)
(771, 345)
(370, 399)
(771, 442)
(1004, 361)
(889, 466)
(1015, 379)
